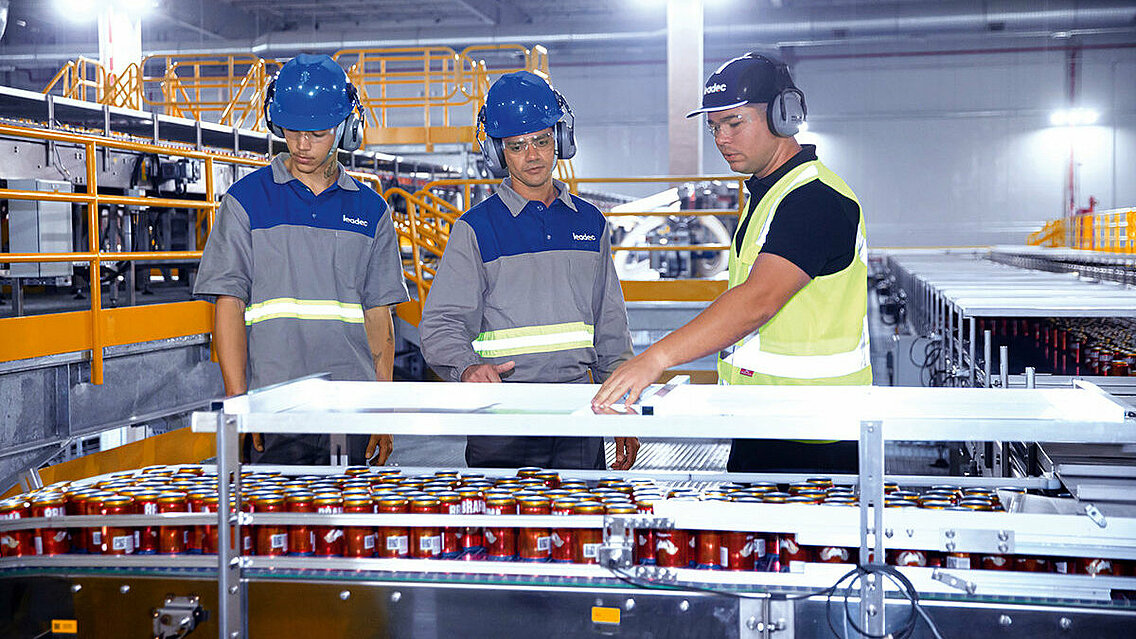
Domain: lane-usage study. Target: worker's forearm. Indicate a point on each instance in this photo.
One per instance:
(731, 317)
(231, 342)
(380, 337)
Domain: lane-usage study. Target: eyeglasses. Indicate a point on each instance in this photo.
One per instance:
(542, 141)
(728, 126)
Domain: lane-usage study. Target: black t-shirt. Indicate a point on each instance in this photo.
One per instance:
(815, 225)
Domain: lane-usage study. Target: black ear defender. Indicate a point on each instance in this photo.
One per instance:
(270, 93)
(786, 111)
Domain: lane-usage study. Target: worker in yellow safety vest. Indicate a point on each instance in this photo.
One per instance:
(795, 312)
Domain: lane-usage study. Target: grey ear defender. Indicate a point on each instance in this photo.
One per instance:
(786, 112)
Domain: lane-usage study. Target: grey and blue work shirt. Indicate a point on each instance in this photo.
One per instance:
(306, 266)
(531, 283)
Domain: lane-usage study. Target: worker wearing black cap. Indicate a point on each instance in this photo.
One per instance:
(795, 312)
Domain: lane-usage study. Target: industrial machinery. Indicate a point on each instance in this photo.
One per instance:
(252, 588)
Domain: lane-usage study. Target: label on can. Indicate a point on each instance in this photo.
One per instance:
(332, 535)
(369, 542)
(97, 537)
(431, 545)
(544, 544)
(591, 551)
(278, 540)
(961, 563)
(724, 556)
(124, 543)
(757, 546)
(557, 540)
(489, 536)
(38, 545)
(399, 544)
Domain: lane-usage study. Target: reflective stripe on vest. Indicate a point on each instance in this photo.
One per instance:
(749, 356)
(534, 339)
(292, 308)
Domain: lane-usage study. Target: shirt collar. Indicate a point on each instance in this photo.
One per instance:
(516, 203)
(758, 187)
(281, 174)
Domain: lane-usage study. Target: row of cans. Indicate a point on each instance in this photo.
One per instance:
(1076, 346)
(531, 492)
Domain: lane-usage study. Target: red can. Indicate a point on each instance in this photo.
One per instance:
(586, 542)
(738, 550)
(360, 540)
(119, 540)
(207, 534)
(450, 503)
(329, 539)
(534, 544)
(708, 550)
(1097, 567)
(562, 537)
(645, 541)
(792, 552)
(301, 539)
(501, 543)
(173, 540)
(833, 555)
(1023, 563)
(51, 541)
(425, 541)
(77, 505)
(393, 541)
(15, 543)
(472, 503)
(271, 540)
(195, 499)
(916, 558)
(145, 537)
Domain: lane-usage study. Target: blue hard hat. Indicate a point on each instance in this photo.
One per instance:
(310, 93)
(520, 103)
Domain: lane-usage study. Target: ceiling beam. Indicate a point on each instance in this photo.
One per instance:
(495, 12)
(219, 19)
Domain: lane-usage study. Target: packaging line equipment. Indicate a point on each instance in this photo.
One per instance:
(257, 596)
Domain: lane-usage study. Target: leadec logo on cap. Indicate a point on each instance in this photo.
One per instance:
(714, 88)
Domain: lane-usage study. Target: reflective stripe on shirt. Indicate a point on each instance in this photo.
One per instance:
(534, 339)
(290, 307)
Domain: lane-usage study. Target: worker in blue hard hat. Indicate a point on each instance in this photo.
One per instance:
(526, 290)
(303, 263)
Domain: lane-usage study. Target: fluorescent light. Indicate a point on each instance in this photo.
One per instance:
(1074, 117)
(77, 10)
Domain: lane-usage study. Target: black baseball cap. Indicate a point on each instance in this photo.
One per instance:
(751, 78)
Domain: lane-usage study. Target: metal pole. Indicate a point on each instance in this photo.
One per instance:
(871, 506)
(230, 590)
(1004, 366)
(1031, 377)
(987, 365)
(973, 366)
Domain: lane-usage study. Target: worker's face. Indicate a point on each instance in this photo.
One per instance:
(531, 157)
(743, 137)
(310, 149)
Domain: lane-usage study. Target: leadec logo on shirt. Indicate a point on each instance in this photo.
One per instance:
(583, 237)
(356, 221)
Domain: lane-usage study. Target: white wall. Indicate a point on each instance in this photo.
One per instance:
(942, 150)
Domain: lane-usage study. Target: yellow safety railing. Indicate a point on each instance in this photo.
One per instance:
(412, 95)
(1108, 231)
(228, 88)
(80, 79)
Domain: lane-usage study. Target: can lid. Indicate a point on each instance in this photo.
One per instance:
(171, 495)
(118, 500)
(588, 508)
(49, 499)
(621, 509)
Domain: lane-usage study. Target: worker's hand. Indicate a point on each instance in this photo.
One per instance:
(486, 372)
(626, 448)
(257, 443)
(379, 449)
(631, 377)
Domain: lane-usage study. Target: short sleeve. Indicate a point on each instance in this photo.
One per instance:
(383, 281)
(226, 262)
(815, 229)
